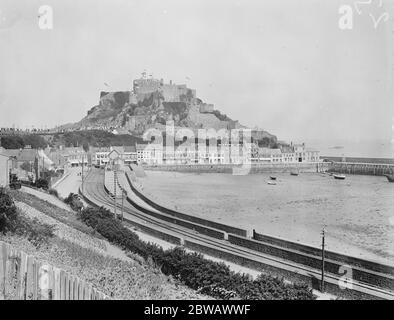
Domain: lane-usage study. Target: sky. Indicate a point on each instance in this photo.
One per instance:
(282, 65)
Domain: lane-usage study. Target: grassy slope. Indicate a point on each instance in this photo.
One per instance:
(119, 277)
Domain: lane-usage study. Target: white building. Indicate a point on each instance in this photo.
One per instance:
(100, 156)
(149, 154)
(4, 170)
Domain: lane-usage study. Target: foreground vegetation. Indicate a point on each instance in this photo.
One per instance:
(10, 221)
(192, 269)
(79, 250)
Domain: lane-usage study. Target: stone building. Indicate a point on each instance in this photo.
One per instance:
(206, 107)
(171, 92)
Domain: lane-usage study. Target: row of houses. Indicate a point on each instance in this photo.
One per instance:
(154, 154)
(28, 163)
(157, 154)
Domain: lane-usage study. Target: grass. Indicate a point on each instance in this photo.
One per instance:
(53, 211)
(133, 278)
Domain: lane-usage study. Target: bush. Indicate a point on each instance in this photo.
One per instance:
(74, 202)
(11, 221)
(42, 183)
(8, 212)
(192, 269)
(53, 192)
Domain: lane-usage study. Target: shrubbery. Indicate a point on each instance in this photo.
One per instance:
(8, 213)
(11, 221)
(42, 183)
(53, 192)
(213, 278)
(74, 202)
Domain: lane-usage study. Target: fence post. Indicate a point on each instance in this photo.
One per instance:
(62, 285)
(67, 287)
(36, 274)
(75, 288)
(29, 278)
(57, 284)
(22, 276)
(44, 282)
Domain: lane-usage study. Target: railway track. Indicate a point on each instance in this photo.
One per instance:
(95, 193)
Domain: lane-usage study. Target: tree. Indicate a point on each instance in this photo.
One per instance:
(12, 142)
(8, 213)
(26, 166)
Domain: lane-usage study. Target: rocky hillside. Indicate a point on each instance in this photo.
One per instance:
(130, 113)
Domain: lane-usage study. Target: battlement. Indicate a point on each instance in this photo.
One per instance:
(171, 92)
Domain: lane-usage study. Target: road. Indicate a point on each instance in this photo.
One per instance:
(70, 183)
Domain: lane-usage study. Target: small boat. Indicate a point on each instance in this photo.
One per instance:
(273, 177)
(390, 177)
(294, 173)
(273, 183)
(339, 176)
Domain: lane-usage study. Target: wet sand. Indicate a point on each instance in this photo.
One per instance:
(358, 212)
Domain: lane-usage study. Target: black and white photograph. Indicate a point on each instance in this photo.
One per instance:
(198, 156)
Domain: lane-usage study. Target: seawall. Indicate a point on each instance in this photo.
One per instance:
(374, 169)
(253, 168)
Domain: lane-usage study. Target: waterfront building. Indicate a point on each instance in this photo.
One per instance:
(222, 153)
(150, 154)
(100, 156)
(75, 156)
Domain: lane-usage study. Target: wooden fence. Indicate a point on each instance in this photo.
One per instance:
(22, 277)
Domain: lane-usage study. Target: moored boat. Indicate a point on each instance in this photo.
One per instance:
(339, 176)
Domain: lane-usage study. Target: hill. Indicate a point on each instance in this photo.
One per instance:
(150, 104)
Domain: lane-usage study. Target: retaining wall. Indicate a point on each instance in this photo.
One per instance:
(154, 232)
(361, 168)
(192, 226)
(331, 266)
(228, 168)
(353, 261)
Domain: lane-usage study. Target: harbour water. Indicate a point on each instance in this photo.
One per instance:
(360, 149)
(357, 213)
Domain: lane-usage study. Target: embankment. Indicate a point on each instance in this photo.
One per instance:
(253, 168)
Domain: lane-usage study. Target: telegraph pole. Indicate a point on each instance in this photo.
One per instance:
(82, 171)
(122, 204)
(322, 261)
(115, 189)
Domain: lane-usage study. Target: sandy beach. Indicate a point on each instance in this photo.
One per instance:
(358, 212)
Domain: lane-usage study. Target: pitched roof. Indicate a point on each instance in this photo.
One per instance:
(119, 149)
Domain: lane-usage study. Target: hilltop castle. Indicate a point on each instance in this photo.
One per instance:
(171, 92)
